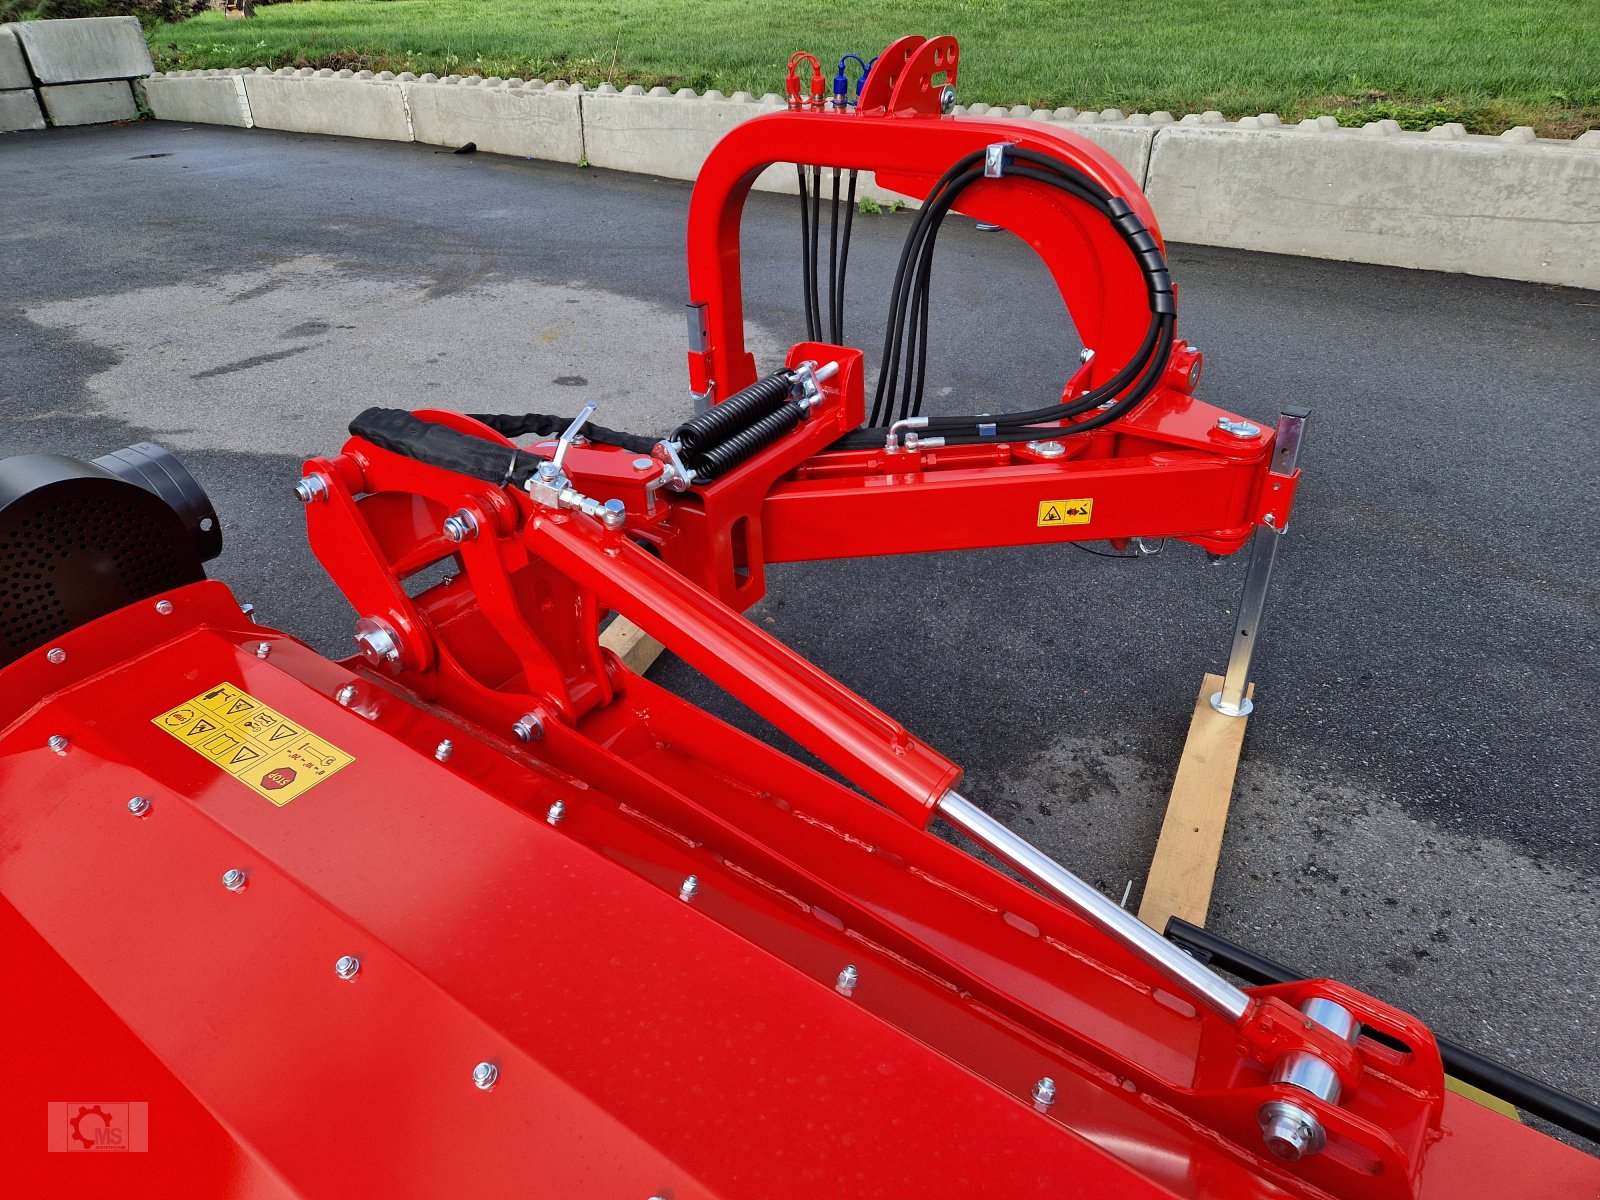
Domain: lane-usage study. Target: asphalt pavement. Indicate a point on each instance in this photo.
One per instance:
(1416, 809)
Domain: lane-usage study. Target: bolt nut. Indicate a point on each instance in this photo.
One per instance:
(460, 526)
(311, 487)
(346, 695)
(528, 728)
(56, 655)
(848, 978)
(58, 743)
(347, 967)
(164, 607)
(1085, 354)
(139, 805)
(1290, 1131)
(1044, 1092)
(690, 888)
(444, 750)
(557, 811)
(947, 99)
(234, 880)
(263, 649)
(485, 1075)
(375, 639)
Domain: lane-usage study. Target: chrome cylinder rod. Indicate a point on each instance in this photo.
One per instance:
(1193, 977)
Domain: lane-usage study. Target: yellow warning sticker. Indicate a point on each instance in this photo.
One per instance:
(1065, 512)
(257, 745)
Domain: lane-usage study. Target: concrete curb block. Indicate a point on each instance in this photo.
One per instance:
(19, 110)
(501, 116)
(89, 103)
(1514, 206)
(85, 49)
(1511, 207)
(213, 99)
(316, 102)
(13, 67)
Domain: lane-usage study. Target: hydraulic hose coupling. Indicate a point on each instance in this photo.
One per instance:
(792, 81)
(908, 427)
(841, 83)
(1291, 1131)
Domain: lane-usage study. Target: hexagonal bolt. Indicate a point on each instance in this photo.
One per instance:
(460, 525)
(234, 880)
(58, 743)
(346, 695)
(1290, 1131)
(311, 487)
(557, 811)
(1047, 449)
(1044, 1092)
(485, 1075)
(139, 805)
(528, 728)
(444, 750)
(263, 649)
(947, 99)
(347, 967)
(1085, 354)
(164, 607)
(56, 655)
(848, 978)
(689, 889)
(375, 640)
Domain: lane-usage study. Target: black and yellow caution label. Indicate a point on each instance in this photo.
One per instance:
(1065, 512)
(259, 746)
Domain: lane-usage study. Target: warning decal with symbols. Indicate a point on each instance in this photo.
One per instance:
(1065, 512)
(260, 747)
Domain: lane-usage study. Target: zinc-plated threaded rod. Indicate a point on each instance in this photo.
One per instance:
(1195, 978)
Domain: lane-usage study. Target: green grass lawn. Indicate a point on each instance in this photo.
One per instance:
(1488, 63)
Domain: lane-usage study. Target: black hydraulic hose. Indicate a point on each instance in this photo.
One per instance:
(730, 452)
(742, 408)
(911, 296)
(814, 319)
(833, 264)
(1499, 1080)
(807, 278)
(844, 257)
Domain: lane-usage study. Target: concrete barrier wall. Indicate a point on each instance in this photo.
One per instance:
(85, 50)
(324, 101)
(499, 116)
(1513, 206)
(89, 103)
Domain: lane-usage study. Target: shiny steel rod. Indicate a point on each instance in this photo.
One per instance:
(1193, 977)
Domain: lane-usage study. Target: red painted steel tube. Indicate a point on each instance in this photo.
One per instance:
(867, 746)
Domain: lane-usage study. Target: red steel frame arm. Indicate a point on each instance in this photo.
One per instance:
(1096, 273)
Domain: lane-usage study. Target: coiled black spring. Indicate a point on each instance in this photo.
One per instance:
(740, 409)
(746, 443)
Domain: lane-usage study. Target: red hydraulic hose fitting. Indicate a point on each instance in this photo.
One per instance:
(792, 80)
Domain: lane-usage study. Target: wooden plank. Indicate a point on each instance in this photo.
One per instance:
(636, 648)
(1185, 862)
